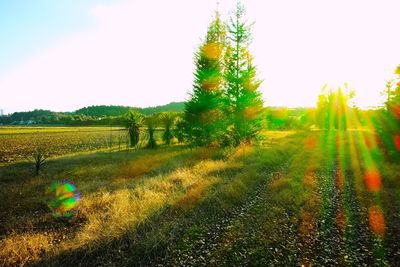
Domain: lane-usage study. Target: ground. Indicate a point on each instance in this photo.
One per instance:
(290, 199)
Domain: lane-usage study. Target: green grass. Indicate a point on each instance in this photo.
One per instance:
(293, 198)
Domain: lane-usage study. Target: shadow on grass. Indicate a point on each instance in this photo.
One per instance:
(177, 227)
(24, 201)
(201, 205)
(215, 189)
(31, 216)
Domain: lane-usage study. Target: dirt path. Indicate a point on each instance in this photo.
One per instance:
(203, 246)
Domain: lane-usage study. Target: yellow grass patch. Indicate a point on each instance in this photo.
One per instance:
(17, 250)
(110, 214)
(194, 194)
(144, 165)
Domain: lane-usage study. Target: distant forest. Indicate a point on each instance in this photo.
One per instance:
(92, 115)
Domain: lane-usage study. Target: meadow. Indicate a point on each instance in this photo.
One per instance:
(292, 198)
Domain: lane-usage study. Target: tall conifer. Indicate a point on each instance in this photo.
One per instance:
(204, 111)
(244, 103)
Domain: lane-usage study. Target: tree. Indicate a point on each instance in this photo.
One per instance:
(333, 108)
(204, 111)
(167, 119)
(180, 131)
(243, 100)
(151, 122)
(134, 121)
(388, 124)
(321, 117)
(393, 94)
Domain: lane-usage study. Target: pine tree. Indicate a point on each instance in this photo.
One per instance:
(204, 111)
(393, 101)
(389, 124)
(244, 102)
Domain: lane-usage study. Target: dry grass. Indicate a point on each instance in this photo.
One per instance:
(20, 249)
(143, 165)
(108, 215)
(138, 191)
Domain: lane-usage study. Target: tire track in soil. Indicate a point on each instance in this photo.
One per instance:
(391, 240)
(358, 236)
(330, 243)
(202, 250)
(343, 236)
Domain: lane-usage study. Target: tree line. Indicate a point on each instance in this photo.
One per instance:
(88, 116)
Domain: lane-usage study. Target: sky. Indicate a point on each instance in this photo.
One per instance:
(66, 54)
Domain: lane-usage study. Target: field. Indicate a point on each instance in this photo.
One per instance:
(19, 143)
(292, 199)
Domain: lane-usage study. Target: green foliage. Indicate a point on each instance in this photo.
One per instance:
(87, 116)
(134, 121)
(203, 112)
(393, 91)
(180, 131)
(244, 104)
(388, 124)
(167, 120)
(282, 118)
(333, 109)
(100, 111)
(171, 107)
(150, 123)
(225, 98)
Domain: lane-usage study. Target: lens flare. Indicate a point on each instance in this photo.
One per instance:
(310, 143)
(64, 199)
(373, 180)
(376, 220)
(212, 51)
(251, 112)
(370, 142)
(396, 111)
(211, 84)
(397, 141)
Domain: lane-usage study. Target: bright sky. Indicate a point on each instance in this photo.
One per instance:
(63, 55)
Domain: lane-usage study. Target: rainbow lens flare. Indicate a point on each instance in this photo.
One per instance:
(64, 199)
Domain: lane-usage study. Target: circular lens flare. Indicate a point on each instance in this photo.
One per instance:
(396, 111)
(376, 220)
(373, 180)
(64, 199)
(397, 141)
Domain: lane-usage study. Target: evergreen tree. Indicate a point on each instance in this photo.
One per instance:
(390, 123)
(243, 100)
(204, 111)
(393, 98)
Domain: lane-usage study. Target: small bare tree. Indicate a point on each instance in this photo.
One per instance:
(39, 158)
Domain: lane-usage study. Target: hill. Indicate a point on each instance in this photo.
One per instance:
(102, 111)
(85, 114)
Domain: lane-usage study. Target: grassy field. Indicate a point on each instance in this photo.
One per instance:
(294, 198)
